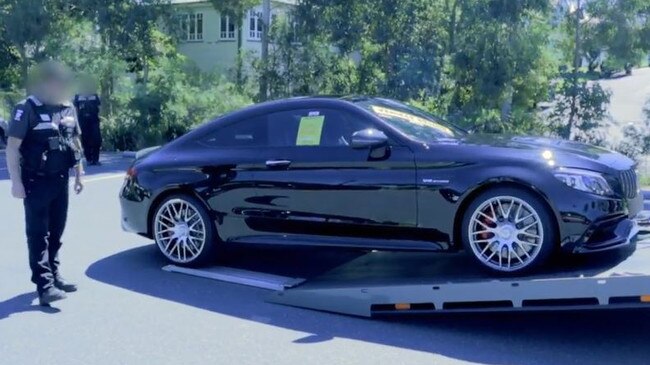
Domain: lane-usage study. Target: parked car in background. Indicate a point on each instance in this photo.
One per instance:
(377, 174)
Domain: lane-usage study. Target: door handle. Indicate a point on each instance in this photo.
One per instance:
(278, 163)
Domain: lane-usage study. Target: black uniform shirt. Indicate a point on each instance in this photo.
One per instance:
(87, 106)
(24, 118)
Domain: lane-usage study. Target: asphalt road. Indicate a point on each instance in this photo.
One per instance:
(128, 311)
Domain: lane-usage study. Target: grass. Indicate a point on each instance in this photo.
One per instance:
(645, 181)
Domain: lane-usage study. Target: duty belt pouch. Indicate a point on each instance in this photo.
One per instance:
(54, 144)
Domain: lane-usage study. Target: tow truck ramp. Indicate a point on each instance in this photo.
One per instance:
(388, 283)
(238, 276)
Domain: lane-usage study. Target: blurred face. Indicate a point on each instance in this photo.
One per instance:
(53, 90)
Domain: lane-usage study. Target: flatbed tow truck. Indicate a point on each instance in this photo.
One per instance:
(390, 283)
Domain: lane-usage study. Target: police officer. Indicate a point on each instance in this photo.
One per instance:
(43, 146)
(87, 104)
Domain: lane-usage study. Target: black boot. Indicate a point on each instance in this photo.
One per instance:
(62, 284)
(50, 295)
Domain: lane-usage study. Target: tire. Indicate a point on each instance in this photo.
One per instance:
(509, 231)
(184, 233)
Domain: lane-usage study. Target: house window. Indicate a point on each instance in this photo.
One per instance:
(255, 26)
(192, 27)
(227, 28)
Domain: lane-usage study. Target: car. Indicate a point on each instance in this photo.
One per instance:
(378, 174)
(4, 128)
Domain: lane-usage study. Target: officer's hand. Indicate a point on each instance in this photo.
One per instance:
(18, 191)
(78, 186)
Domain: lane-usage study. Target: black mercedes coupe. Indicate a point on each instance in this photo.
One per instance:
(378, 174)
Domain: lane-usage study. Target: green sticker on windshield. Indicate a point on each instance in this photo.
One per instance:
(310, 131)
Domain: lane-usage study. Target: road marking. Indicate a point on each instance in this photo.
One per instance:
(100, 178)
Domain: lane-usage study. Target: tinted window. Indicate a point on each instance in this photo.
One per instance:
(314, 127)
(291, 128)
(245, 133)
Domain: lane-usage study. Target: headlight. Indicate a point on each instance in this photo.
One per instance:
(589, 181)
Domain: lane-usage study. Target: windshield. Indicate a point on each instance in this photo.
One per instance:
(413, 122)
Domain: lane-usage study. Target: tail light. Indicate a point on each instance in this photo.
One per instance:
(131, 172)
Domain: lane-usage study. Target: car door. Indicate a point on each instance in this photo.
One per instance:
(229, 157)
(314, 185)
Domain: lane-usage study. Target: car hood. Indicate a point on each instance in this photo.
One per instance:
(563, 152)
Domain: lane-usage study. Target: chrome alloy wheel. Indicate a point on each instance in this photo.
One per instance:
(506, 233)
(180, 231)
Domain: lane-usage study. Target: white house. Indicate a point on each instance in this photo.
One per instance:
(210, 39)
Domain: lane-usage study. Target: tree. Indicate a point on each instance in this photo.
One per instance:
(124, 36)
(619, 28)
(498, 64)
(584, 105)
(25, 24)
(236, 10)
(471, 59)
(637, 138)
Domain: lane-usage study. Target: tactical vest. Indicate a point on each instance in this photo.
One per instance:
(47, 149)
(87, 106)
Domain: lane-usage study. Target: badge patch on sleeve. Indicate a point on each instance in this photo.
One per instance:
(19, 114)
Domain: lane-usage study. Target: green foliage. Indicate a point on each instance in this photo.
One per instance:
(579, 111)
(618, 27)
(500, 64)
(175, 98)
(637, 139)
(25, 24)
(236, 10)
(481, 63)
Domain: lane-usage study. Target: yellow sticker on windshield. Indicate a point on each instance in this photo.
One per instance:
(310, 131)
(411, 118)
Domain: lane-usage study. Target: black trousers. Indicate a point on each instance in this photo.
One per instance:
(91, 139)
(46, 210)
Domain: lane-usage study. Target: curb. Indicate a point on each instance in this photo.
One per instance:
(128, 154)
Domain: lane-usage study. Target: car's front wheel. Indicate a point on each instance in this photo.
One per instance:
(183, 231)
(509, 230)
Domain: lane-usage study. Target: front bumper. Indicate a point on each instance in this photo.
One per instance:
(607, 235)
(591, 223)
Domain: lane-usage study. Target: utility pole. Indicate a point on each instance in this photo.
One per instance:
(266, 27)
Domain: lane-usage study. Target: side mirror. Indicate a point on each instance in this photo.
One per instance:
(368, 138)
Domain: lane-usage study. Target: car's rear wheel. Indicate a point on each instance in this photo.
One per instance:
(509, 230)
(183, 231)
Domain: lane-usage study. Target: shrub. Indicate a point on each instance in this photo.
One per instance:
(169, 103)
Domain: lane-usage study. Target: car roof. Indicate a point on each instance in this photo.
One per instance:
(301, 100)
(344, 101)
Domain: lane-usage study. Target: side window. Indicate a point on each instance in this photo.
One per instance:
(290, 128)
(251, 132)
(313, 127)
(339, 127)
(283, 127)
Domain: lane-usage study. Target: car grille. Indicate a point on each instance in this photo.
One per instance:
(628, 181)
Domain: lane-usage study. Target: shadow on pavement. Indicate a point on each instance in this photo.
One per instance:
(23, 303)
(588, 337)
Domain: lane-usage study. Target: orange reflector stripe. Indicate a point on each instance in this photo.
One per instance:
(645, 298)
(402, 306)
